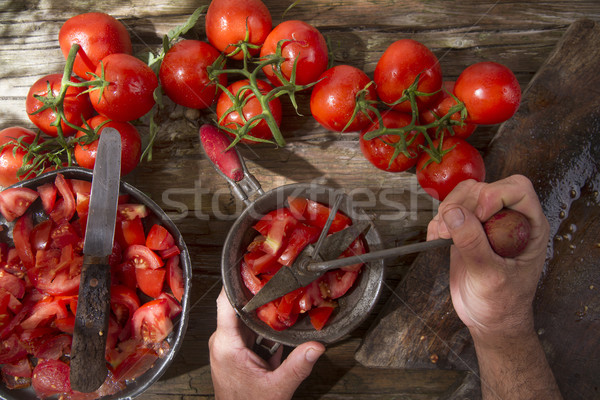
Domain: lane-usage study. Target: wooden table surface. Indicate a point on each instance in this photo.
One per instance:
(180, 179)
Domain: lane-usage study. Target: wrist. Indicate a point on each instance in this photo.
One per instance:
(505, 334)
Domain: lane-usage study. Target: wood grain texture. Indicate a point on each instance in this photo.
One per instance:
(179, 178)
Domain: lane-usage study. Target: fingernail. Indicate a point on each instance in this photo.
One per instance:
(454, 218)
(312, 355)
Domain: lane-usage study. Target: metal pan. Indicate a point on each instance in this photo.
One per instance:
(157, 215)
(353, 308)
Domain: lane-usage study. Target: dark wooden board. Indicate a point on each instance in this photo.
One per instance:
(553, 140)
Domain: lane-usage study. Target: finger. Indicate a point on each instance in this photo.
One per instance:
(227, 320)
(465, 193)
(297, 366)
(468, 235)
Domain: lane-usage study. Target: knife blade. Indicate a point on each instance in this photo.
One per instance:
(288, 279)
(88, 362)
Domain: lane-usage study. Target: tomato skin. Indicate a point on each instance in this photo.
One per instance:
(151, 322)
(306, 47)
(226, 22)
(51, 377)
(15, 201)
(379, 153)
(319, 316)
(490, 92)
(76, 105)
(441, 107)
(131, 145)
(130, 94)
(150, 281)
(398, 68)
(9, 162)
(333, 98)
(251, 109)
(159, 238)
(184, 77)
(98, 34)
(461, 163)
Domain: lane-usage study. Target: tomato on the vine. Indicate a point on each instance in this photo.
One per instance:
(131, 145)
(130, 92)
(304, 45)
(230, 118)
(184, 77)
(11, 159)
(98, 34)
(227, 22)
(76, 105)
(333, 99)
(379, 150)
(461, 162)
(398, 68)
(442, 105)
(490, 92)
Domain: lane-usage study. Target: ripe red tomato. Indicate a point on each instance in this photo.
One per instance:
(228, 20)
(379, 153)
(131, 145)
(10, 159)
(440, 108)
(462, 162)
(490, 92)
(398, 68)
(184, 77)
(333, 98)
(151, 323)
(252, 107)
(76, 106)
(304, 45)
(130, 94)
(98, 34)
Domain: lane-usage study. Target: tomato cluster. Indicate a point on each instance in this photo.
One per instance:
(409, 116)
(39, 283)
(283, 234)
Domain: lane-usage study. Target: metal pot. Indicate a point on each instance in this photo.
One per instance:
(157, 215)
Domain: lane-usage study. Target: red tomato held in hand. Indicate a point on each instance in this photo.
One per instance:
(462, 162)
(131, 145)
(490, 92)
(76, 105)
(184, 77)
(10, 159)
(304, 45)
(441, 107)
(130, 94)
(98, 34)
(379, 153)
(231, 119)
(333, 98)
(228, 20)
(398, 68)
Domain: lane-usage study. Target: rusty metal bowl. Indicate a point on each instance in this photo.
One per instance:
(157, 215)
(354, 306)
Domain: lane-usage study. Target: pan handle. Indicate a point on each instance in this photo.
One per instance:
(229, 163)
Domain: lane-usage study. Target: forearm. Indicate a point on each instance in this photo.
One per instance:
(515, 368)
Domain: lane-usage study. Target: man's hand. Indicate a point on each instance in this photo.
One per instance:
(238, 373)
(492, 295)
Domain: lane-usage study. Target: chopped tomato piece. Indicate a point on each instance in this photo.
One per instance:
(40, 235)
(274, 226)
(175, 278)
(51, 377)
(319, 316)
(12, 284)
(300, 237)
(65, 234)
(17, 375)
(312, 297)
(21, 234)
(130, 211)
(316, 214)
(125, 274)
(45, 311)
(53, 347)
(11, 350)
(170, 252)
(133, 362)
(173, 306)
(268, 314)
(48, 193)
(15, 201)
(150, 281)
(129, 232)
(356, 248)
(297, 206)
(124, 301)
(338, 282)
(151, 322)
(142, 257)
(66, 325)
(65, 207)
(80, 186)
(159, 238)
(262, 263)
(250, 280)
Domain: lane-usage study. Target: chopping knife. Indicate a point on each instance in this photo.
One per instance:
(88, 362)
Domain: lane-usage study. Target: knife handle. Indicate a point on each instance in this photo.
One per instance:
(88, 359)
(215, 144)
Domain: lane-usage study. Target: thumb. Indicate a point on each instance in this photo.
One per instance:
(467, 234)
(297, 366)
